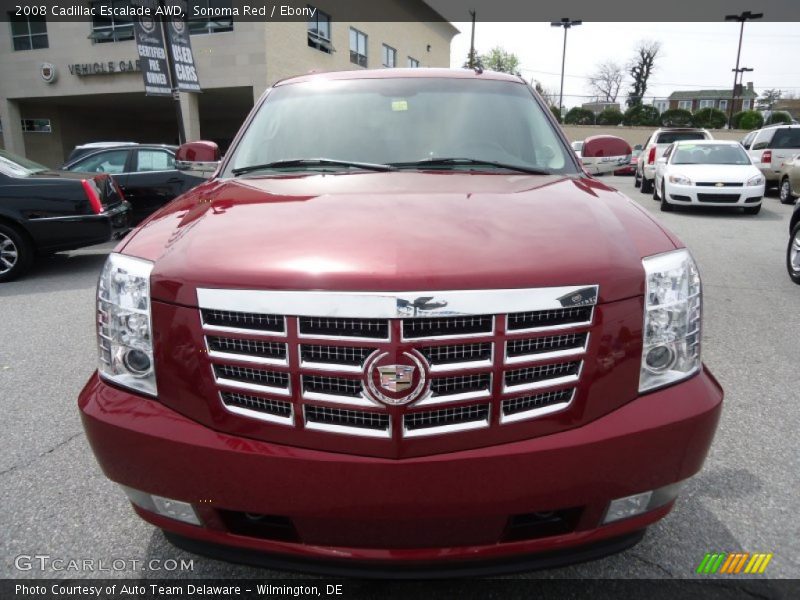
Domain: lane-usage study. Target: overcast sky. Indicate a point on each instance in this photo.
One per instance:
(693, 55)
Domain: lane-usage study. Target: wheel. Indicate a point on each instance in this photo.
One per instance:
(647, 185)
(785, 191)
(636, 181)
(655, 191)
(16, 253)
(793, 255)
(752, 210)
(665, 206)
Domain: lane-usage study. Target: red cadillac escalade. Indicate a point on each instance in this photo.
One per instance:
(401, 327)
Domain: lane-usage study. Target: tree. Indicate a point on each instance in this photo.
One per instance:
(641, 114)
(779, 116)
(609, 116)
(498, 59)
(556, 112)
(472, 58)
(550, 96)
(640, 69)
(676, 117)
(769, 98)
(579, 116)
(747, 119)
(709, 118)
(606, 81)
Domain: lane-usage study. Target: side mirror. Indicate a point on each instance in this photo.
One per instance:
(605, 153)
(202, 157)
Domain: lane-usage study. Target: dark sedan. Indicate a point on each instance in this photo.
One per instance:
(145, 172)
(44, 211)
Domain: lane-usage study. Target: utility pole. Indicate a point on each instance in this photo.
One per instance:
(566, 24)
(472, 42)
(745, 16)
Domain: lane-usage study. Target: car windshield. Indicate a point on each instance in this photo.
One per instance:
(18, 166)
(676, 136)
(787, 138)
(411, 123)
(710, 154)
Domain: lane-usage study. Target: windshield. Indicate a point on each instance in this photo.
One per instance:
(395, 121)
(17, 166)
(710, 154)
(675, 136)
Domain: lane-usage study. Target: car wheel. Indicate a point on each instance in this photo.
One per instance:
(636, 181)
(665, 206)
(752, 210)
(16, 253)
(785, 192)
(647, 185)
(793, 255)
(655, 191)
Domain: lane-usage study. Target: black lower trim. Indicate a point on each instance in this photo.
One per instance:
(542, 560)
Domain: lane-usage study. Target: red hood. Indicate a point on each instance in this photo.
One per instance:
(399, 232)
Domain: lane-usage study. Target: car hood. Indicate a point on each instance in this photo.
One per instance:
(398, 232)
(716, 173)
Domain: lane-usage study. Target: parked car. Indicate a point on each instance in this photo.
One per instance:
(577, 146)
(630, 168)
(85, 149)
(380, 339)
(771, 147)
(708, 173)
(145, 172)
(789, 177)
(654, 149)
(793, 249)
(44, 211)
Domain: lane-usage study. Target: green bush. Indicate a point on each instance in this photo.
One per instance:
(556, 113)
(779, 117)
(641, 114)
(579, 116)
(710, 118)
(676, 117)
(610, 116)
(748, 119)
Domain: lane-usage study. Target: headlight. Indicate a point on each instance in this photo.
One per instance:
(124, 331)
(757, 180)
(671, 348)
(680, 180)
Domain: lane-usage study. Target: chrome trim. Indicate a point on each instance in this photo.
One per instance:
(540, 356)
(358, 401)
(445, 429)
(261, 416)
(330, 367)
(254, 332)
(345, 430)
(431, 400)
(514, 332)
(456, 336)
(534, 412)
(450, 367)
(243, 385)
(343, 338)
(248, 358)
(545, 383)
(394, 305)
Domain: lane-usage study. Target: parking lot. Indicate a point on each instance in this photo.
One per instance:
(57, 502)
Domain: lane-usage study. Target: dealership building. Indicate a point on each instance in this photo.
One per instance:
(67, 83)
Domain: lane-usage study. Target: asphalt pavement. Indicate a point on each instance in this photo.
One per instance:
(56, 502)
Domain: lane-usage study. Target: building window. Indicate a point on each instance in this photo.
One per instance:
(746, 104)
(685, 104)
(358, 47)
(28, 33)
(661, 105)
(413, 63)
(111, 28)
(388, 56)
(706, 104)
(199, 25)
(36, 126)
(723, 105)
(319, 32)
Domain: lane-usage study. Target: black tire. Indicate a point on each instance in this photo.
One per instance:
(636, 181)
(665, 206)
(794, 244)
(752, 210)
(785, 191)
(647, 185)
(16, 253)
(655, 190)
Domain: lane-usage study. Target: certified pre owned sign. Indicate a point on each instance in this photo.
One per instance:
(48, 72)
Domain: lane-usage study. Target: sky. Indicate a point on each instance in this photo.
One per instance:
(693, 55)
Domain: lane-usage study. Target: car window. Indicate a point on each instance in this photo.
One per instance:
(675, 136)
(668, 151)
(762, 139)
(747, 140)
(154, 160)
(403, 120)
(18, 166)
(103, 162)
(710, 154)
(786, 138)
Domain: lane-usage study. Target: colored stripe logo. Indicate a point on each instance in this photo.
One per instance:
(733, 563)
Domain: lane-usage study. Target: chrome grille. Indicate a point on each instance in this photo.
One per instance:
(537, 373)
(242, 320)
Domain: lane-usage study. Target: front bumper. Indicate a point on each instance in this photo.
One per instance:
(453, 508)
(692, 195)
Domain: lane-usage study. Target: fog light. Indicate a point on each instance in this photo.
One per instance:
(137, 362)
(637, 504)
(166, 507)
(660, 358)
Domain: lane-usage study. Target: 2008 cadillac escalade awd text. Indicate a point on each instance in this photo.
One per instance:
(401, 327)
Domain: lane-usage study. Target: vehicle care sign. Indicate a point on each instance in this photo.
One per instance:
(182, 58)
(153, 55)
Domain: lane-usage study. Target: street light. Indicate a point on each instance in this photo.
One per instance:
(566, 24)
(745, 16)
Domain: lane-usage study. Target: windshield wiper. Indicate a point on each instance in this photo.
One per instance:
(312, 162)
(446, 162)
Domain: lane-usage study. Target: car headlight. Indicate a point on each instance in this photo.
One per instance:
(672, 313)
(756, 180)
(124, 330)
(680, 180)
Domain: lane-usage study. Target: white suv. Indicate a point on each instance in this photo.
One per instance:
(654, 149)
(771, 147)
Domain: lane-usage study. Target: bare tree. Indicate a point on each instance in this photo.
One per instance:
(606, 80)
(549, 95)
(640, 69)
